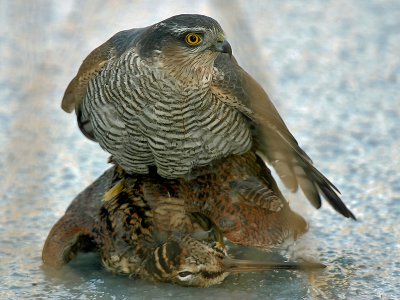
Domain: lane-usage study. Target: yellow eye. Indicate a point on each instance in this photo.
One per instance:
(193, 39)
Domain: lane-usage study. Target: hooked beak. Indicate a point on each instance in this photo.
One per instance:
(223, 46)
(239, 266)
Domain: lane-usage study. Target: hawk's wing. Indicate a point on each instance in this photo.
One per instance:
(91, 66)
(272, 138)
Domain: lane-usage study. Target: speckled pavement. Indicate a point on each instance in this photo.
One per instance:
(331, 67)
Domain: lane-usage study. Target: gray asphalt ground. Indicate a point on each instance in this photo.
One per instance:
(333, 70)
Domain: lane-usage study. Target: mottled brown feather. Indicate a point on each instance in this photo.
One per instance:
(74, 230)
(243, 200)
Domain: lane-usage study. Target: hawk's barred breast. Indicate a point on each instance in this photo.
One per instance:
(143, 118)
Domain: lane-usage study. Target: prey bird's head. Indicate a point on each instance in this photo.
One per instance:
(184, 41)
(186, 261)
(190, 262)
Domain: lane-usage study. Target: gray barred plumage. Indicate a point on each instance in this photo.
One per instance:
(173, 96)
(142, 119)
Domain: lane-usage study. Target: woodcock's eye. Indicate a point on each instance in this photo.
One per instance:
(185, 275)
(193, 39)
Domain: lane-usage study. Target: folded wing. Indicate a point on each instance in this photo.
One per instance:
(90, 68)
(272, 139)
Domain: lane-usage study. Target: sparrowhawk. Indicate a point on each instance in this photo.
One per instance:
(172, 95)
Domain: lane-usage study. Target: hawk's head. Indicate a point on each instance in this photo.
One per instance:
(184, 42)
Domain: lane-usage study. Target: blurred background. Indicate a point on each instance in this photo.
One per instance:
(333, 71)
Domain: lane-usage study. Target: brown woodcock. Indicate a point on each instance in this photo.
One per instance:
(153, 228)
